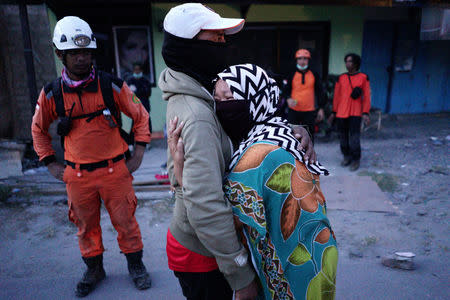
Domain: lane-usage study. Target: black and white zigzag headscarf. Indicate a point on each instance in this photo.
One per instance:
(250, 82)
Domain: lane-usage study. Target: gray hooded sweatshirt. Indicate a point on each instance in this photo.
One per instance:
(202, 219)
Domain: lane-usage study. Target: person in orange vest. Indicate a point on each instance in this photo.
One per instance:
(351, 104)
(306, 95)
(96, 168)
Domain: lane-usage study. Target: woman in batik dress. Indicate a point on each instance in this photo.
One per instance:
(279, 207)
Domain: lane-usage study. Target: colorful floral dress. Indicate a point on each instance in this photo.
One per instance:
(285, 225)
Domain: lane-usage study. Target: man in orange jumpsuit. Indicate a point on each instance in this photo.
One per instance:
(351, 103)
(94, 151)
(305, 93)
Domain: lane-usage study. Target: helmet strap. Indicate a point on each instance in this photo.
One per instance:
(64, 54)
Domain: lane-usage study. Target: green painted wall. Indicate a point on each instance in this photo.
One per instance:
(158, 113)
(52, 20)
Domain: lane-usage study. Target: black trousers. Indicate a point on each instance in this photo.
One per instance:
(306, 118)
(204, 286)
(349, 135)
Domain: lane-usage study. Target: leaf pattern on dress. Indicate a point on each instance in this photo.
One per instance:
(300, 255)
(253, 157)
(305, 193)
(305, 187)
(290, 214)
(324, 236)
(291, 197)
(323, 285)
(279, 180)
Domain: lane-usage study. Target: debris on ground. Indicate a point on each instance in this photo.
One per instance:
(422, 213)
(400, 260)
(355, 254)
(438, 170)
(436, 141)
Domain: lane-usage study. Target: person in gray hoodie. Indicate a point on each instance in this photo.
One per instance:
(202, 244)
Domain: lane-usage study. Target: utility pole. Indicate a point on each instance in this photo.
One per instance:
(28, 53)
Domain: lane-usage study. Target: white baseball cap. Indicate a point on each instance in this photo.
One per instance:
(186, 21)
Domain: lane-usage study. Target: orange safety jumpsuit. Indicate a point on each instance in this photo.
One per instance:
(95, 143)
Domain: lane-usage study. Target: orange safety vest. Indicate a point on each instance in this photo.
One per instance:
(92, 141)
(303, 91)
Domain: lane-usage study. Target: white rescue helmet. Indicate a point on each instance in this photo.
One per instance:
(73, 33)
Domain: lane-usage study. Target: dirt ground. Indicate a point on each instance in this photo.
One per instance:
(408, 159)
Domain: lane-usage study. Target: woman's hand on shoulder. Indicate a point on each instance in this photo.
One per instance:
(176, 148)
(301, 134)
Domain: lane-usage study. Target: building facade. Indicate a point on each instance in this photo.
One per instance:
(407, 74)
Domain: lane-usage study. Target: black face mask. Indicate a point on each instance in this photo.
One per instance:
(199, 59)
(235, 118)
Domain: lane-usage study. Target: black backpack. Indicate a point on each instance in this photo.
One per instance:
(106, 81)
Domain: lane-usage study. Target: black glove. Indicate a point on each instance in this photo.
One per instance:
(65, 124)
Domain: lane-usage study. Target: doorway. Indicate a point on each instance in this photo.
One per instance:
(272, 46)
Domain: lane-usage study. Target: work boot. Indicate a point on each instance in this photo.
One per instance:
(92, 276)
(354, 165)
(137, 271)
(346, 161)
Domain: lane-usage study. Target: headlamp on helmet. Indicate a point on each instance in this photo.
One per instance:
(81, 40)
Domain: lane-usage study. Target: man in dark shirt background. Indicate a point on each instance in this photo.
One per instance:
(141, 87)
